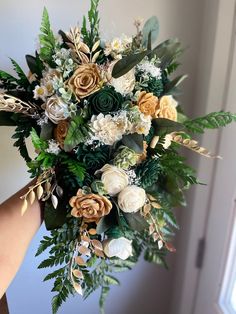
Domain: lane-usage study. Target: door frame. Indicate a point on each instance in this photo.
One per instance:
(213, 77)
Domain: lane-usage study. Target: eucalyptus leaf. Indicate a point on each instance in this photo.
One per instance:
(136, 221)
(134, 141)
(151, 26)
(128, 63)
(164, 126)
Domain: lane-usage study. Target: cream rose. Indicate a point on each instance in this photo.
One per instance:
(55, 109)
(131, 199)
(121, 248)
(124, 84)
(114, 179)
(167, 108)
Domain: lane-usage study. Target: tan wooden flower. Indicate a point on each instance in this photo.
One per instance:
(85, 80)
(167, 108)
(147, 103)
(60, 132)
(90, 207)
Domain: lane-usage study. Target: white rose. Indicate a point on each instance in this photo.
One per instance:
(131, 199)
(121, 248)
(114, 179)
(56, 110)
(124, 84)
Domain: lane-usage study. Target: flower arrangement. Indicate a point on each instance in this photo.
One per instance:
(106, 126)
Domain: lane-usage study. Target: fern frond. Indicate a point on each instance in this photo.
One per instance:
(75, 167)
(77, 133)
(23, 80)
(47, 39)
(213, 120)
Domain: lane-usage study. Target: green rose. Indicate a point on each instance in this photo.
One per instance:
(105, 101)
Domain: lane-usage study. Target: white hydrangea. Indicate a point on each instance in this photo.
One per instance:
(124, 84)
(142, 125)
(149, 69)
(108, 129)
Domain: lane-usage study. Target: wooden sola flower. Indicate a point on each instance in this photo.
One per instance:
(106, 126)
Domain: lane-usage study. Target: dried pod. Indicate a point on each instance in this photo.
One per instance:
(85, 238)
(155, 236)
(47, 186)
(80, 261)
(24, 207)
(151, 229)
(39, 192)
(84, 48)
(31, 197)
(146, 209)
(54, 200)
(170, 247)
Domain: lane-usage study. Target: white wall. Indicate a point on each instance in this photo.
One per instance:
(147, 288)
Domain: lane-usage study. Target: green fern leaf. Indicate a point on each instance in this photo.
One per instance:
(75, 167)
(213, 120)
(77, 133)
(23, 80)
(47, 39)
(54, 274)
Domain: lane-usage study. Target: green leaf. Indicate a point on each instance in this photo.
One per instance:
(35, 65)
(151, 26)
(164, 126)
(153, 256)
(22, 131)
(77, 133)
(46, 131)
(75, 167)
(134, 141)
(127, 63)
(47, 39)
(54, 218)
(213, 120)
(136, 221)
(57, 301)
(54, 274)
(23, 80)
(110, 280)
(167, 52)
(6, 119)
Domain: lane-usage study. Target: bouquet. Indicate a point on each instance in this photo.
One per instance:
(106, 126)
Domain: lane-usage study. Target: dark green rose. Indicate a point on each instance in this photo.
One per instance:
(104, 101)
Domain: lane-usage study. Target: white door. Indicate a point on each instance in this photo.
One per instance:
(216, 289)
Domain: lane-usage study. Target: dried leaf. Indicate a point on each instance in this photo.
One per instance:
(39, 192)
(151, 198)
(97, 244)
(95, 56)
(54, 200)
(78, 274)
(24, 207)
(78, 288)
(191, 144)
(84, 48)
(151, 229)
(95, 46)
(32, 197)
(80, 261)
